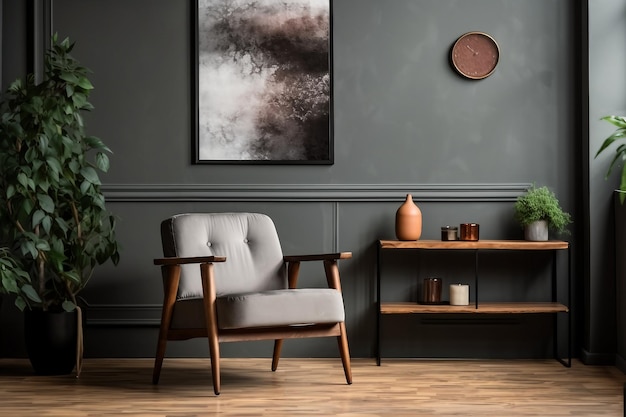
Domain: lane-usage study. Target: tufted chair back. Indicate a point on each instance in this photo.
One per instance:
(250, 238)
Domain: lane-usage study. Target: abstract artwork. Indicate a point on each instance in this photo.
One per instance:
(262, 90)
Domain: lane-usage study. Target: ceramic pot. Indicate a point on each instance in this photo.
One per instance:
(408, 220)
(536, 231)
(51, 339)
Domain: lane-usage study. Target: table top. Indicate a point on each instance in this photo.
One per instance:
(477, 244)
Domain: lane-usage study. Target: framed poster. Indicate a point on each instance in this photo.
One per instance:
(262, 82)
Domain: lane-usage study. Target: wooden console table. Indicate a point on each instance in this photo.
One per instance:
(478, 307)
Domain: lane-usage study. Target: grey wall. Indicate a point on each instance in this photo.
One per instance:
(404, 122)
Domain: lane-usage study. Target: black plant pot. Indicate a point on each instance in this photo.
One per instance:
(51, 339)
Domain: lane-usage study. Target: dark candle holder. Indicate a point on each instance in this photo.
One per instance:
(449, 233)
(431, 291)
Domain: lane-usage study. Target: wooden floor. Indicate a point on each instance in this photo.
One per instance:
(314, 387)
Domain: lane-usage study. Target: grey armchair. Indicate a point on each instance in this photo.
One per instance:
(243, 289)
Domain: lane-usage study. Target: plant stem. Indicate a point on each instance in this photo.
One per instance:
(77, 220)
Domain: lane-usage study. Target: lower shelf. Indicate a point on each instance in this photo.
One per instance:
(483, 308)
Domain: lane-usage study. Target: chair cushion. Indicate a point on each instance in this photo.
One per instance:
(265, 309)
(280, 307)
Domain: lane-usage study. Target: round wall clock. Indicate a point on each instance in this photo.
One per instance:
(475, 55)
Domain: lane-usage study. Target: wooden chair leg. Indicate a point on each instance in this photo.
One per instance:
(158, 361)
(210, 316)
(170, 287)
(344, 351)
(278, 345)
(214, 347)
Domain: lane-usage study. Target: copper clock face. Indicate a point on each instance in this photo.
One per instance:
(475, 55)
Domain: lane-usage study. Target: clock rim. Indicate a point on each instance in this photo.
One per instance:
(470, 76)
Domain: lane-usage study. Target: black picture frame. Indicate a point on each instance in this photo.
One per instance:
(262, 82)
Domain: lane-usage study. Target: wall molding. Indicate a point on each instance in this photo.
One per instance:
(122, 315)
(137, 193)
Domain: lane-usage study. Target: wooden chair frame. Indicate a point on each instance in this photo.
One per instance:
(172, 269)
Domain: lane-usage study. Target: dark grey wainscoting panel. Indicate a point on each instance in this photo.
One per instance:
(309, 220)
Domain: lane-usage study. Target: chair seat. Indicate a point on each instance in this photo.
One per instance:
(267, 308)
(280, 308)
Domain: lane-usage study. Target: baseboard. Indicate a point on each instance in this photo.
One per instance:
(620, 363)
(602, 359)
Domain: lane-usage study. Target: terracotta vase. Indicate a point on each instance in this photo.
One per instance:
(408, 220)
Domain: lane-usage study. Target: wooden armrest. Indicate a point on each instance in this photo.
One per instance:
(319, 257)
(191, 260)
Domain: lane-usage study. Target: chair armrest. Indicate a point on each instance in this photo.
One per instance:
(191, 260)
(319, 257)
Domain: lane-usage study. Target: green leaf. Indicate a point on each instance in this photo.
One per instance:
(96, 143)
(90, 175)
(27, 206)
(68, 306)
(38, 216)
(43, 144)
(73, 276)
(20, 303)
(54, 165)
(10, 191)
(84, 186)
(22, 179)
(31, 155)
(617, 135)
(69, 77)
(31, 184)
(31, 293)
(47, 224)
(10, 284)
(28, 248)
(618, 121)
(85, 83)
(79, 100)
(43, 245)
(74, 166)
(102, 161)
(46, 203)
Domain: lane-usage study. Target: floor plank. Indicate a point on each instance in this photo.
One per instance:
(316, 387)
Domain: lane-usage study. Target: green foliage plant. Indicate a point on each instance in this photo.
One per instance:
(620, 151)
(539, 203)
(14, 280)
(53, 217)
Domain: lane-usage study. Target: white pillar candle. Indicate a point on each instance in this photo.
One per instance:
(459, 294)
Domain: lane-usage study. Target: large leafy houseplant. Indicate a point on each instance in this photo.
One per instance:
(539, 203)
(53, 217)
(620, 151)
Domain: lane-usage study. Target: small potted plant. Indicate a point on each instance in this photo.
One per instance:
(539, 210)
(620, 151)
